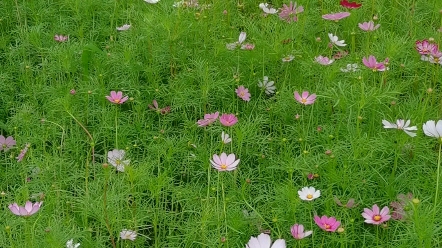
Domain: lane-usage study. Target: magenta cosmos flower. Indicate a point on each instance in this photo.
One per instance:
(208, 119)
(6, 143)
(326, 223)
(336, 16)
(375, 216)
(27, 210)
(373, 64)
(228, 120)
(298, 232)
(368, 26)
(117, 97)
(243, 93)
(305, 98)
(224, 162)
(289, 13)
(424, 47)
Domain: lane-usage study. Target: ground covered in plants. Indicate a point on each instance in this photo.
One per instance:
(146, 123)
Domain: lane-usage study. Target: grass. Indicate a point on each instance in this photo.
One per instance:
(169, 194)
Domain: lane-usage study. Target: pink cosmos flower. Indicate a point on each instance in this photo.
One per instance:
(289, 13)
(23, 153)
(373, 64)
(305, 98)
(155, 107)
(228, 120)
(27, 210)
(6, 143)
(117, 97)
(349, 204)
(336, 16)
(368, 26)
(424, 47)
(298, 231)
(375, 216)
(243, 93)
(208, 119)
(327, 224)
(323, 60)
(61, 38)
(224, 162)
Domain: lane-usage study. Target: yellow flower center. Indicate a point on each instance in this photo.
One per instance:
(309, 196)
(303, 100)
(116, 100)
(118, 162)
(223, 166)
(377, 218)
(327, 226)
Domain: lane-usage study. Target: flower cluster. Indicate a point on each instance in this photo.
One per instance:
(242, 37)
(429, 51)
(225, 119)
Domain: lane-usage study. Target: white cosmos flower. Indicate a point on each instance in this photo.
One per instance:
(350, 68)
(267, 9)
(433, 129)
(152, 1)
(263, 241)
(309, 193)
(128, 234)
(116, 159)
(70, 244)
(124, 27)
(225, 138)
(269, 87)
(335, 40)
(401, 125)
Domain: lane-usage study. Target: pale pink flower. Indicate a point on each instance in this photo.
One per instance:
(23, 153)
(349, 204)
(155, 107)
(375, 216)
(248, 46)
(224, 162)
(424, 47)
(368, 26)
(298, 231)
(228, 120)
(305, 98)
(263, 241)
(225, 138)
(124, 27)
(336, 16)
(61, 38)
(401, 125)
(117, 97)
(208, 119)
(27, 210)
(6, 143)
(128, 234)
(326, 223)
(373, 64)
(289, 13)
(323, 60)
(243, 93)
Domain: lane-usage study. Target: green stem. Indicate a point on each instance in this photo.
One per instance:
(437, 181)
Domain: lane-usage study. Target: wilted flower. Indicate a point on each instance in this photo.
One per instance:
(326, 223)
(350, 5)
(336, 16)
(350, 68)
(27, 210)
(305, 99)
(368, 26)
(401, 125)
(241, 39)
(433, 129)
(340, 55)
(124, 27)
(224, 162)
(298, 231)
(243, 93)
(208, 119)
(6, 143)
(373, 64)
(23, 152)
(323, 60)
(375, 216)
(349, 204)
(263, 241)
(61, 38)
(335, 40)
(289, 13)
(309, 193)
(269, 87)
(117, 97)
(248, 46)
(155, 107)
(225, 138)
(399, 208)
(128, 234)
(228, 120)
(116, 159)
(70, 244)
(267, 9)
(288, 58)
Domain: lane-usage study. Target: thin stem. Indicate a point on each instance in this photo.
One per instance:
(106, 218)
(224, 209)
(437, 182)
(116, 128)
(88, 134)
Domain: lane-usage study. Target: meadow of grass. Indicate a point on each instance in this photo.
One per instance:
(53, 103)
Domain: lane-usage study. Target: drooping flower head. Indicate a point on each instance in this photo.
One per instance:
(374, 216)
(155, 107)
(297, 231)
(27, 210)
(117, 97)
(368, 26)
(373, 64)
(401, 125)
(263, 241)
(128, 234)
(309, 193)
(433, 129)
(208, 119)
(225, 138)
(350, 5)
(289, 13)
(6, 143)
(228, 120)
(116, 159)
(267, 85)
(224, 162)
(336, 16)
(243, 93)
(327, 224)
(323, 60)
(305, 98)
